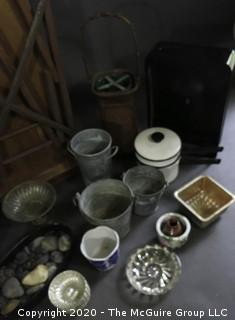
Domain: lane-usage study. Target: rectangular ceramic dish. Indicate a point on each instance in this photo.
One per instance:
(205, 198)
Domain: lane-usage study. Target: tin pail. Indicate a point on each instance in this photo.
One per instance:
(147, 185)
(107, 202)
(93, 150)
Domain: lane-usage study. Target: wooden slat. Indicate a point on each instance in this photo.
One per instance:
(23, 9)
(17, 132)
(28, 82)
(31, 115)
(19, 74)
(37, 166)
(26, 153)
(53, 102)
(5, 57)
(31, 102)
(55, 51)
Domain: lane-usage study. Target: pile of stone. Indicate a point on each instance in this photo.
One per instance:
(31, 269)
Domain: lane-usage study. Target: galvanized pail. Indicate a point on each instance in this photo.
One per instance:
(147, 185)
(107, 202)
(115, 90)
(93, 150)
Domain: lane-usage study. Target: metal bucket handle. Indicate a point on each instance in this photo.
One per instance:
(114, 151)
(123, 19)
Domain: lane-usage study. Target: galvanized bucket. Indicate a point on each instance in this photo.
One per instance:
(93, 150)
(148, 185)
(107, 202)
(115, 91)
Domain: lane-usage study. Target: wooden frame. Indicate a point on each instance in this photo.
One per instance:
(36, 118)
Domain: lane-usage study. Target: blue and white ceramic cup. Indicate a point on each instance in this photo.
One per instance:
(100, 246)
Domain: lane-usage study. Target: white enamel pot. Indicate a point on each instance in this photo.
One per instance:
(161, 148)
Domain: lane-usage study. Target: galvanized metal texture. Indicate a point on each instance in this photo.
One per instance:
(148, 185)
(92, 149)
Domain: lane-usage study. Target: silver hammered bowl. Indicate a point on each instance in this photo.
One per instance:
(153, 270)
(29, 201)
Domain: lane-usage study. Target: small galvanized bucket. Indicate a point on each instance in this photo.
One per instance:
(107, 202)
(93, 150)
(148, 185)
(115, 91)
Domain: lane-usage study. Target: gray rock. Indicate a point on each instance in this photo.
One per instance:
(21, 257)
(3, 302)
(52, 268)
(20, 272)
(12, 289)
(43, 259)
(64, 243)
(10, 306)
(27, 250)
(12, 265)
(6, 273)
(3, 277)
(35, 259)
(49, 243)
(57, 257)
(29, 265)
(36, 243)
(35, 255)
(36, 276)
(34, 289)
(9, 272)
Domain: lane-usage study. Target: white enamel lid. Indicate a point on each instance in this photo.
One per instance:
(158, 144)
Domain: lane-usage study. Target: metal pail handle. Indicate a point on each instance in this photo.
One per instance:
(115, 16)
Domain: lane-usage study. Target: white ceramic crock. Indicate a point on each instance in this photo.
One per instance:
(161, 148)
(100, 246)
(173, 242)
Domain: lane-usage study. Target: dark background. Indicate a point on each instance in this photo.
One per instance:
(108, 43)
(206, 22)
(208, 259)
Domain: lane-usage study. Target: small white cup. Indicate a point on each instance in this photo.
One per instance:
(100, 246)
